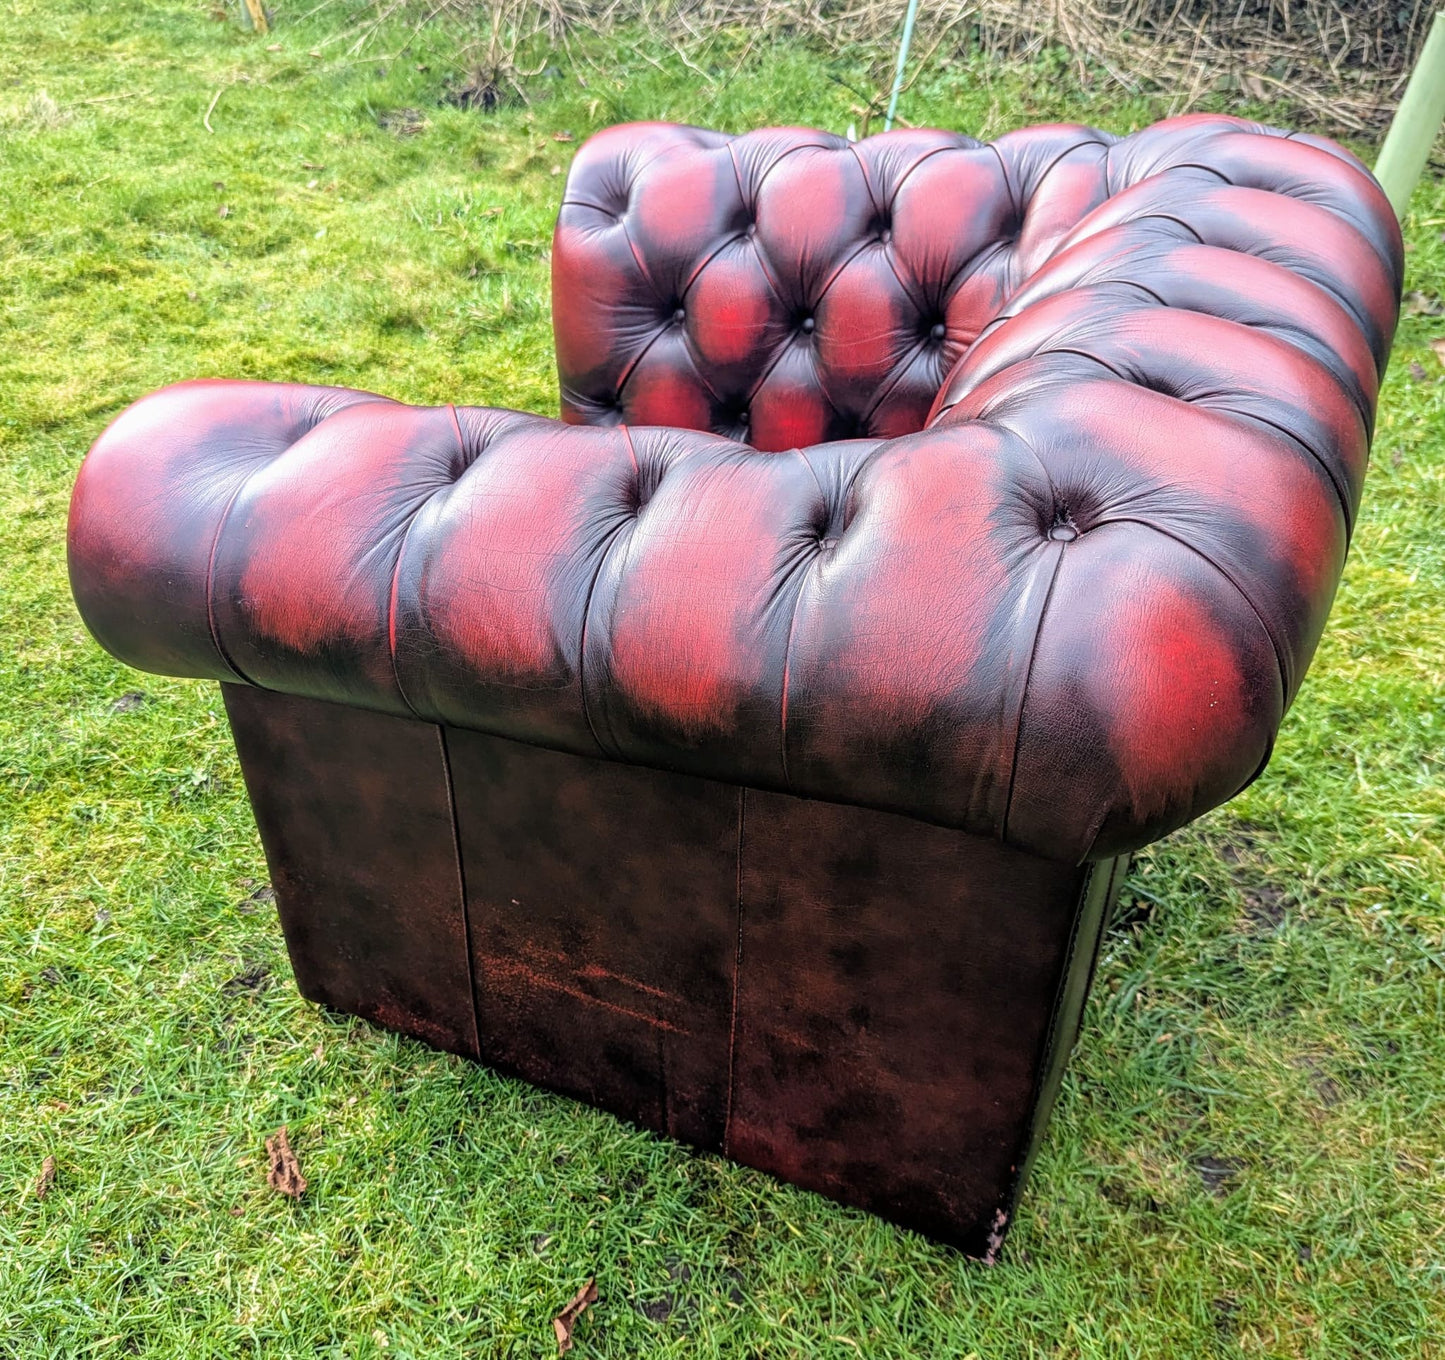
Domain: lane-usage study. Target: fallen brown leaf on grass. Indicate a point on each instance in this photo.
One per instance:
(1438, 345)
(566, 1320)
(284, 1173)
(46, 1178)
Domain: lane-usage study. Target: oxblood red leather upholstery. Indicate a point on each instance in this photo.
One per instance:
(1069, 613)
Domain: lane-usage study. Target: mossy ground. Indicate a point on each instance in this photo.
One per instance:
(1249, 1153)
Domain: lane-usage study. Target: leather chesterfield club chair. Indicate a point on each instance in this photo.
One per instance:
(755, 751)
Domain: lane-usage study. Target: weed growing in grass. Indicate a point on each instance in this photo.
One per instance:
(1248, 1155)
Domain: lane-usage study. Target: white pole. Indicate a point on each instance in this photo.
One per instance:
(902, 62)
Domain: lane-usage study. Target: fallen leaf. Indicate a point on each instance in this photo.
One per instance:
(1438, 345)
(1417, 371)
(223, 211)
(566, 1320)
(46, 1178)
(556, 169)
(284, 1174)
(563, 137)
(129, 701)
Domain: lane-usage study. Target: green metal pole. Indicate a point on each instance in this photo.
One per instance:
(903, 62)
(1416, 122)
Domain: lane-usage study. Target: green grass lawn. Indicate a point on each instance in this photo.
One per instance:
(1249, 1153)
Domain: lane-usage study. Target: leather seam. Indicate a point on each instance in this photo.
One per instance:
(1050, 1045)
(1341, 493)
(1015, 729)
(788, 646)
(928, 156)
(211, 581)
(461, 886)
(894, 377)
(737, 981)
(615, 752)
(396, 575)
(1268, 632)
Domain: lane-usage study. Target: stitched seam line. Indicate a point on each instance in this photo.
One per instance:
(788, 647)
(211, 579)
(737, 982)
(637, 255)
(891, 380)
(791, 151)
(587, 618)
(1341, 492)
(1279, 655)
(626, 375)
(1050, 1044)
(396, 576)
(697, 368)
(753, 240)
(391, 614)
(1008, 183)
(867, 178)
(964, 144)
(461, 886)
(1017, 726)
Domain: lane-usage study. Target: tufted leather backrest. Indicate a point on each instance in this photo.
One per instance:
(787, 286)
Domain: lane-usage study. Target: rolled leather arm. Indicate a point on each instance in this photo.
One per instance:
(1070, 614)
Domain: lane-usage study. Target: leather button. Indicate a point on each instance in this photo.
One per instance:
(885, 235)
(938, 331)
(808, 325)
(1064, 533)
(678, 317)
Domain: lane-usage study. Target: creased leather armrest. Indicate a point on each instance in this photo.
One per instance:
(1069, 614)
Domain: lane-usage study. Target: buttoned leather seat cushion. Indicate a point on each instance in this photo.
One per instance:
(1069, 612)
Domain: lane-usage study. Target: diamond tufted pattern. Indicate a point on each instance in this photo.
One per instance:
(1069, 613)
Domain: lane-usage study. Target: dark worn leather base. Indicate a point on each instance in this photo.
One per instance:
(862, 1004)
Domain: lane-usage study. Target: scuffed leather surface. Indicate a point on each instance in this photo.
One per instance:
(1070, 613)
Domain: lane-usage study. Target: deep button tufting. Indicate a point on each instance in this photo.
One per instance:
(938, 331)
(936, 664)
(679, 315)
(886, 235)
(807, 325)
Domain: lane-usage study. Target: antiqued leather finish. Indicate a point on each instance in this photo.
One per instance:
(930, 524)
(863, 1004)
(1069, 614)
(355, 815)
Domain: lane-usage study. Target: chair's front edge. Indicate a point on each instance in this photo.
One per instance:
(1096, 906)
(355, 818)
(863, 1004)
